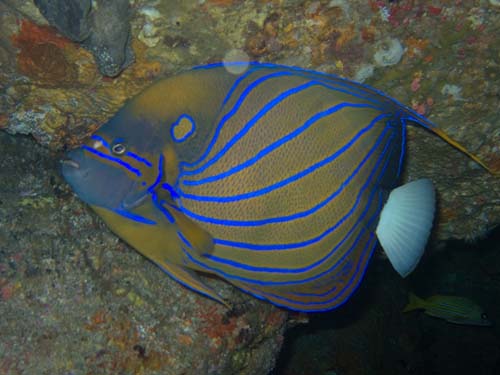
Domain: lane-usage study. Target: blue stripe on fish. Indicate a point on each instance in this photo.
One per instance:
(269, 148)
(235, 85)
(135, 217)
(367, 251)
(288, 180)
(308, 268)
(162, 209)
(310, 241)
(267, 108)
(296, 215)
(184, 240)
(240, 101)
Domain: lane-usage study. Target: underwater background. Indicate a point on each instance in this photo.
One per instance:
(74, 299)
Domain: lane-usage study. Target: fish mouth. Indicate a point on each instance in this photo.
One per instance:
(70, 163)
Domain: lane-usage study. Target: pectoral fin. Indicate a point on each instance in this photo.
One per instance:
(189, 279)
(194, 237)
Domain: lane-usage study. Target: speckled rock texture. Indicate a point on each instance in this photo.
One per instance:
(100, 26)
(76, 300)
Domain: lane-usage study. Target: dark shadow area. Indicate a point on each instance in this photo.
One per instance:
(371, 335)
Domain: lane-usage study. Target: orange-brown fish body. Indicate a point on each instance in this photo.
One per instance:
(274, 179)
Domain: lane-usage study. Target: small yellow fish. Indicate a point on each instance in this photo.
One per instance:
(458, 310)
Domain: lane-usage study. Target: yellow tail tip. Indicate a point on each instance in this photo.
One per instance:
(495, 171)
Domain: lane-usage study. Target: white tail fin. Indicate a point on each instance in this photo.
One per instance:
(405, 223)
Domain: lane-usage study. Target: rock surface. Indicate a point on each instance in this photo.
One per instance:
(76, 300)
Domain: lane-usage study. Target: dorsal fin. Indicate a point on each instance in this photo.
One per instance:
(414, 117)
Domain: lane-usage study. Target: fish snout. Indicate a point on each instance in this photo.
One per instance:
(70, 163)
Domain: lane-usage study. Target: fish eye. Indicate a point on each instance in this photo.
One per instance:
(118, 149)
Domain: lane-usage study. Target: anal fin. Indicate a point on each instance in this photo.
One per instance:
(190, 280)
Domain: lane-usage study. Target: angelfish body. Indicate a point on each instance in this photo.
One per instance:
(278, 180)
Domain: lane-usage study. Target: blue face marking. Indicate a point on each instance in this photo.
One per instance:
(113, 159)
(139, 158)
(188, 133)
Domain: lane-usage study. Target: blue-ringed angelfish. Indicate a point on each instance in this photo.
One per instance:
(279, 180)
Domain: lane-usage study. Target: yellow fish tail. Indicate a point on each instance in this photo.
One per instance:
(414, 303)
(441, 134)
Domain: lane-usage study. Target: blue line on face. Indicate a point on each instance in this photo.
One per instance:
(139, 158)
(113, 159)
(162, 209)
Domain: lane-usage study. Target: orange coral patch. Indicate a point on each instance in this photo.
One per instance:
(41, 55)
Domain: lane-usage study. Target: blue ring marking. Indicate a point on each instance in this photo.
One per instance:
(184, 239)
(321, 274)
(139, 158)
(134, 217)
(412, 115)
(314, 239)
(296, 215)
(228, 115)
(112, 158)
(265, 151)
(176, 123)
(100, 139)
(287, 180)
